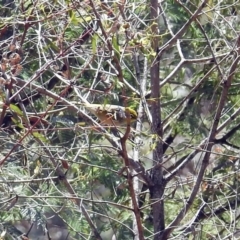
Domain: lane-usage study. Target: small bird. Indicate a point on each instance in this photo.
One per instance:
(112, 114)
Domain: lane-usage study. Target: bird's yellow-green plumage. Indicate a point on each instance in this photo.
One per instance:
(112, 114)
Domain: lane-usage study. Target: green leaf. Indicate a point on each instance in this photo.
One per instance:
(116, 47)
(94, 43)
(71, 13)
(74, 19)
(51, 45)
(16, 120)
(16, 109)
(40, 136)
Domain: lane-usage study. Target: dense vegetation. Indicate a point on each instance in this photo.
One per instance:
(171, 174)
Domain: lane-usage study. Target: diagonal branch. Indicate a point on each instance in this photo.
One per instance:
(209, 143)
(180, 33)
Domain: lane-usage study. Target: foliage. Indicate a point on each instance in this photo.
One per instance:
(67, 175)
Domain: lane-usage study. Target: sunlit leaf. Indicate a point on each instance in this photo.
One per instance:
(16, 109)
(94, 43)
(40, 136)
(116, 46)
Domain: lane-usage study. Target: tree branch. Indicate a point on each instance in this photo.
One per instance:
(209, 143)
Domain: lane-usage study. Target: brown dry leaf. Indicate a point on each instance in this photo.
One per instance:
(12, 47)
(3, 65)
(114, 28)
(14, 59)
(16, 69)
